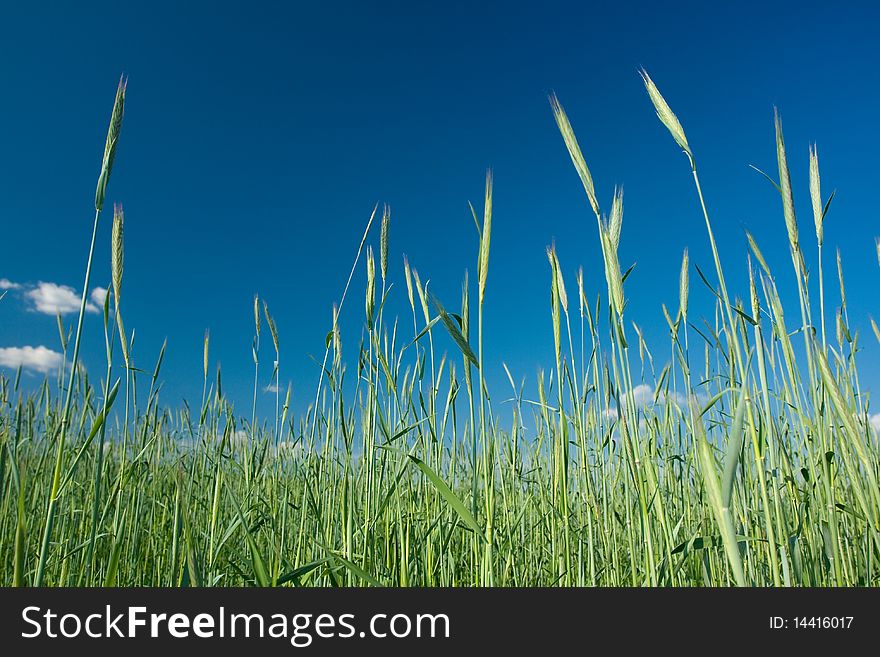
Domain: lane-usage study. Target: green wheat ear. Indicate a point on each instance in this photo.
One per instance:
(383, 242)
(113, 133)
(270, 322)
(785, 187)
(257, 314)
(574, 151)
(116, 251)
(559, 280)
(615, 221)
(409, 285)
(683, 286)
(370, 293)
(816, 195)
(485, 238)
(116, 267)
(666, 115)
(205, 350)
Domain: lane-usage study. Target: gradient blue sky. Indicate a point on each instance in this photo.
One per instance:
(258, 136)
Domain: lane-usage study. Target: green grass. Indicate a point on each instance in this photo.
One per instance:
(748, 460)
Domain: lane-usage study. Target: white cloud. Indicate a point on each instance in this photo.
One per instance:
(682, 400)
(289, 448)
(41, 359)
(273, 388)
(875, 422)
(6, 284)
(643, 397)
(98, 295)
(52, 299)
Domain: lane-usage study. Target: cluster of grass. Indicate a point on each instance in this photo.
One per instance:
(750, 460)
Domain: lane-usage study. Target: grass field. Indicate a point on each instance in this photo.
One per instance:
(751, 459)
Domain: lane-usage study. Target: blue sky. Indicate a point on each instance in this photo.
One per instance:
(258, 137)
